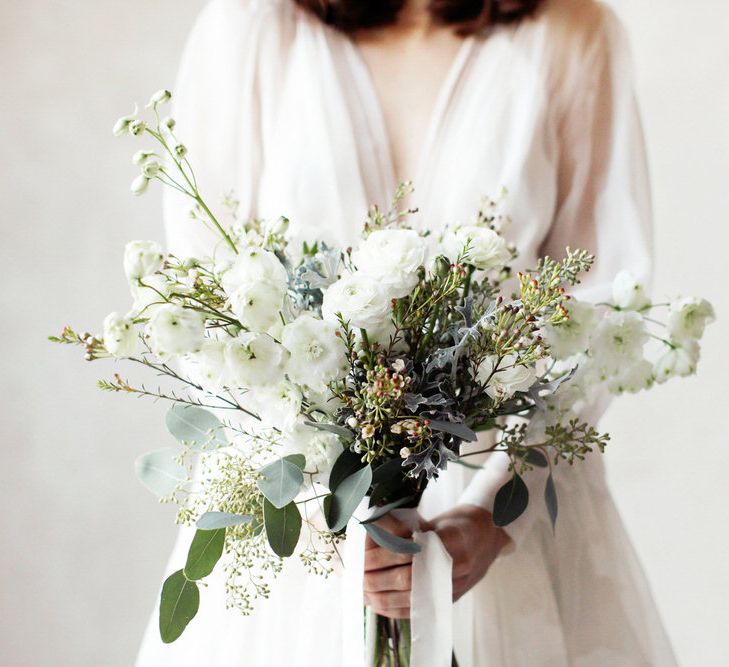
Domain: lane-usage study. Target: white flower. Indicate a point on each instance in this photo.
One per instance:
(486, 249)
(618, 341)
(505, 379)
(360, 300)
(392, 257)
(253, 264)
(209, 368)
(120, 338)
(688, 317)
(151, 168)
(320, 448)
(137, 127)
(139, 185)
(255, 360)
(628, 293)
(140, 157)
(317, 354)
(142, 258)
(149, 293)
(636, 377)
(121, 126)
(160, 97)
(257, 304)
(277, 405)
(571, 336)
(680, 360)
(173, 330)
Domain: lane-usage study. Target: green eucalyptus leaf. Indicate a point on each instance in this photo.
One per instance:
(178, 605)
(511, 501)
(347, 463)
(550, 498)
(159, 471)
(215, 520)
(298, 460)
(280, 482)
(283, 526)
(196, 427)
(205, 551)
(347, 497)
(459, 429)
(379, 512)
(387, 540)
(341, 431)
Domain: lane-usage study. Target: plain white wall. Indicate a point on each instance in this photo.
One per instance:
(84, 544)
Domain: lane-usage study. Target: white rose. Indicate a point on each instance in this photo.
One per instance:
(360, 300)
(208, 367)
(120, 338)
(254, 360)
(486, 249)
(173, 330)
(317, 354)
(628, 293)
(688, 317)
(680, 360)
(504, 380)
(142, 258)
(571, 336)
(392, 257)
(257, 305)
(320, 448)
(618, 341)
(151, 295)
(636, 377)
(251, 265)
(278, 405)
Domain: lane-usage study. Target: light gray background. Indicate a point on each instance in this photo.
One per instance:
(84, 544)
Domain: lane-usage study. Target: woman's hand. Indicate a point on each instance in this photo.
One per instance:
(469, 536)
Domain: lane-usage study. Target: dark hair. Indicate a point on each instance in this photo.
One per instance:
(467, 16)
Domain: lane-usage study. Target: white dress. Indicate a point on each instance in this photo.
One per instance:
(280, 108)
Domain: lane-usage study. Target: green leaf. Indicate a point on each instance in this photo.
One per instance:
(178, 605)
(511, 501)
(550, 498)
(159, 471)
(536, 458)
(391, 542)
(215, 520)
(488, 425)
(196, 427)
(341, 431)
(283, 526)
(459, 429)
(347, 497)
(386, 509)
(347, 463)
(281, 482)
(205, 551)
(298, 460)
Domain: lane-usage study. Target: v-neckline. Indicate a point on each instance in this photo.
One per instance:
(371, 100)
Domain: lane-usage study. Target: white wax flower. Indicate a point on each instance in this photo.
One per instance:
(160, 97)
(320, 448)
(679, 360)
(571, 336)
(139, 185)
(209, 368)
(277, 405)
(250, 265)
(255, 360)
(149, 293)
(120, 338)
(142, 258)
(636, 377)
(688, 317)
(317, 354)
(618, 341)
(360, 300)
(121, 127)
(140, 157)
(392, 257)
(257, 304)
(486, 249)
(505, 379)
(628, 293)
(173, 330)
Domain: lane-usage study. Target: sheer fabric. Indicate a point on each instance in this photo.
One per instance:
(280, 109)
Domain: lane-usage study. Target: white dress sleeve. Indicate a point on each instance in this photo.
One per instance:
(603, 206)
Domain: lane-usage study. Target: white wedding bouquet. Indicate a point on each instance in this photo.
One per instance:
(308, 380)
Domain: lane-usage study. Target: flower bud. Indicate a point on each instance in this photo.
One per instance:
(121, 126)
(150, 169)
(137, 127)
(442, 266)
(139, 185)
(352, 422)
(140, 157)
(405, 452)
(160, 97)
(180, 150)
(169, 123)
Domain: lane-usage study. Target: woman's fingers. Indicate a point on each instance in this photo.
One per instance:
(388, 600)
(392, 579)
(378, 558)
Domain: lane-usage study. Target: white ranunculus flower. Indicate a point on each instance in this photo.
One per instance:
(618, 341)
(150, 295)
(317, 354)
(392, 257)
(506, 379)
(278, 404)
(680, 360)
(320, 448)
(571, 336)
(251, 265)
(636, 377)
(142, 258)
(255, 360)
(486, 249)
(628, 293)
(360, 300)
(120, 337)
(257, 304)
(688, 317)
(208, 366)
(173, 330)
